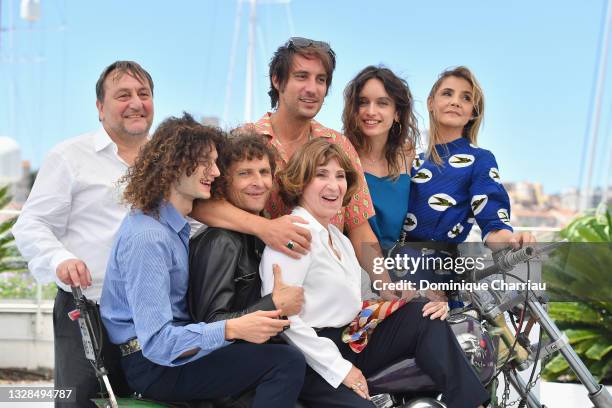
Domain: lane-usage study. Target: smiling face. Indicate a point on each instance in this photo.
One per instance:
(452, 105)
(198, 184)
(305, 89)
(377, 110)
(250, 184)
(127, 108)
(323, 195)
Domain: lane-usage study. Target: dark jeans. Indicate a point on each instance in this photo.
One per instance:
(72, 369)
(275, 371)
(404, 334)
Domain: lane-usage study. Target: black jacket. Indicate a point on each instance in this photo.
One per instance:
(224, 280)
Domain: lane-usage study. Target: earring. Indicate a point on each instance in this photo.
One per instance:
(399, 132)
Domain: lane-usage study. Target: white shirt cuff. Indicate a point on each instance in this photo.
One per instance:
(59, 257)
(338, 372)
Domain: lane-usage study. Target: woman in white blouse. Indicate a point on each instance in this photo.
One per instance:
(317, 182)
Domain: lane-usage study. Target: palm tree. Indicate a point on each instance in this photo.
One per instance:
(10, 259)
(578, 279)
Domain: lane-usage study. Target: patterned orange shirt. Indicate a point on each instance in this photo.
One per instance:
(360, 207)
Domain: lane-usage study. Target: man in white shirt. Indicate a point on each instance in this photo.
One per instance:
(68, 223)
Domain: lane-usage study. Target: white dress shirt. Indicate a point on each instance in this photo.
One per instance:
(332, 294)
(74, 209)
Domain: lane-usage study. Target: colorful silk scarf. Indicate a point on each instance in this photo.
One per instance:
(372, 312)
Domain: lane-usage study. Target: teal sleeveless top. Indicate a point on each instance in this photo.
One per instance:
(390, 198)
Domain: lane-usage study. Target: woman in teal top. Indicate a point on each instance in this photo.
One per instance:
(390, 198)
(379, 121)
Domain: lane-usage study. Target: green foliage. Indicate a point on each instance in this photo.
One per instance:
(21, 285)
(15, 280)
(10, 259)
(590, 228)
(579, 276)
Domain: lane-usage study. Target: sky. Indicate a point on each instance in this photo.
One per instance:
(536, 61)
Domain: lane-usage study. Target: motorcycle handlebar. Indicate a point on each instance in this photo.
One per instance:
(512, 259)
(509, 259)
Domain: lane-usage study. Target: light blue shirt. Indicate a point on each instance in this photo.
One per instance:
(145, 290)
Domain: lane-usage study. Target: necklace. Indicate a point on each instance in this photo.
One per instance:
(292, 142)
(374, 161)
(299, 140)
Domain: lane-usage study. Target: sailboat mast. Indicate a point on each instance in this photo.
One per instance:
(248, 95)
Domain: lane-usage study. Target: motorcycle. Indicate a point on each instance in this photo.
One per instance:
(489, 344)
(481, 330)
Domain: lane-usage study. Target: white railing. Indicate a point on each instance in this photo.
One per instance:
(38, 312)
(538, 229)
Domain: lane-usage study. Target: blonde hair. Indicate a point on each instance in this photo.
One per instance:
(470, 130)
(302, 167)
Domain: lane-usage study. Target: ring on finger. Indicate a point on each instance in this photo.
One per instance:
(290, 244)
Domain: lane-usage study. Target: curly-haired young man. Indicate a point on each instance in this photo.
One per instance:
(165, 354)
(223, 264)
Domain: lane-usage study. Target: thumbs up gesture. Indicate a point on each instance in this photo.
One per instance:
(289, 299)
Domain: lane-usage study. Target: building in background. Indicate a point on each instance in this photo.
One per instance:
(14, 172)
(531, 207)
(10, 162)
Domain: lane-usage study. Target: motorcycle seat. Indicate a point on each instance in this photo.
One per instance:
(404, 376)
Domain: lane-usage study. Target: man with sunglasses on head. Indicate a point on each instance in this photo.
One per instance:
(301, 73)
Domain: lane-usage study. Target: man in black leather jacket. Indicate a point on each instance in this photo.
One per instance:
(224, 280)
(224, 277)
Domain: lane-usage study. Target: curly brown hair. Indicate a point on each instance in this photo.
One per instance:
(403, 135)
(241, 145)
(177, 147)
(302, 167)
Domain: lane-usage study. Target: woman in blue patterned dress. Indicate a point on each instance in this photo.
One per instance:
(455, 182)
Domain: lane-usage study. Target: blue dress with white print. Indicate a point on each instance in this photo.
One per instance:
(447, 199)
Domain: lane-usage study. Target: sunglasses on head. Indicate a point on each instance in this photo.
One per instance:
(301, 42)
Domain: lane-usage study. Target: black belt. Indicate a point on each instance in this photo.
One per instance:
(320, 329)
